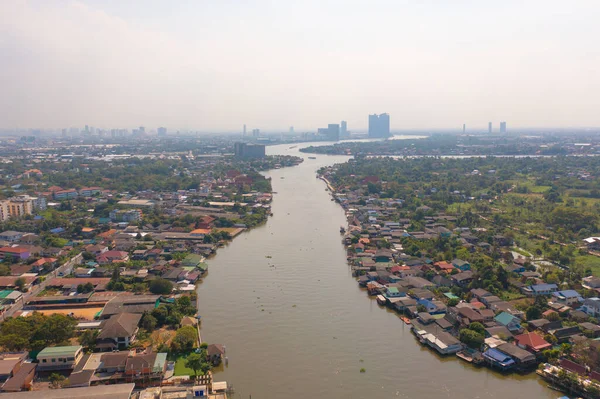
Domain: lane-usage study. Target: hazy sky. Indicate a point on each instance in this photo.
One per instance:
(214, 65)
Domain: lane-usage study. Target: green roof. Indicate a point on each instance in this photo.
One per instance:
(504, 318)
(192, 260)
(393, 290)
(60, 350)
(159, 362)
(450, 295)
(5, 293)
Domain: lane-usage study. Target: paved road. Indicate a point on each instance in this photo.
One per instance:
(36, 289)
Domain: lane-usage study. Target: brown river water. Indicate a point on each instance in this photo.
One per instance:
(296, 325)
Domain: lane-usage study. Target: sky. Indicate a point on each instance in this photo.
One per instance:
(216, 65)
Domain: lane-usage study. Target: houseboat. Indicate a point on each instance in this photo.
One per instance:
(381, 300)
(342, 230)
(312, 157)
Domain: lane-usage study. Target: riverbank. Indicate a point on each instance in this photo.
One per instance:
(416, 258)
(301, 304)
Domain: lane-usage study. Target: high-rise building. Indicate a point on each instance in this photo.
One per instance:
(344, 130)
(291, 129)
(162, 131)
(331, 132)
(142, 129)
(464, 128)
(244, 150)
(379, 126)
(502, 127)
(490, 127)
(244, 131)
(255, 132)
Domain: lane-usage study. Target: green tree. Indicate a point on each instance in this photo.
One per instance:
(20, 284)
(185, 339)
(57, 380)
(148, 322)
(88, 339)
(194, 361)
(477, 327)
(533, 313)
(471, 338)
(160, 286)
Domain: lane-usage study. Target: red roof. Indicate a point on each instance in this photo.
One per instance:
(14, 250)
(532, 341)
(444, 265)
(572, 366)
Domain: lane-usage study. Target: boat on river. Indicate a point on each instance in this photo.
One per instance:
(342, 230)
(405, 319)
(312, 157)
(381, 300)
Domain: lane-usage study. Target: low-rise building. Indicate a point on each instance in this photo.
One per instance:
(59, 358)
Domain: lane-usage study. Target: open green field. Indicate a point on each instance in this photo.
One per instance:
(589, 261)
(180, 368)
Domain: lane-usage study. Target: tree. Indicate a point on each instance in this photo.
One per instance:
(160, 286)
(194, 361)
(184, 340)
(453, 302)
(148, 322)
(477, 327)
(20, 284)
(57, 380)
(471, 338)
(56, 329)
(88, 339)
(533, 313)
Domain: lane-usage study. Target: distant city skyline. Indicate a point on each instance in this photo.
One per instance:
(213, 66)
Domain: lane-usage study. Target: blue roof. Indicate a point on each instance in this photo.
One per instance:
(498, 356)
(567, 294)
(57, 230)
(504, 318)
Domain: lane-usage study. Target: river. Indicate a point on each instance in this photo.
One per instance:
(296, 325)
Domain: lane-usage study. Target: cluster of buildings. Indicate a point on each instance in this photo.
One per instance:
(20, 206)
(441, 298)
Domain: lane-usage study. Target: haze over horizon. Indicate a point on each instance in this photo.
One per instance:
(270, 65)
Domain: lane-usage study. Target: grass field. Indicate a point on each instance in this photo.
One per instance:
(180, 368)
(589, 261)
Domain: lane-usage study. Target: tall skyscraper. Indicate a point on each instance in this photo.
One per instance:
(255, 132)
(464, 128)
(291, 129)
(379, 126)
(344, 130)
(502, 127)
(244, 131)
(162, 131)
(490, 127)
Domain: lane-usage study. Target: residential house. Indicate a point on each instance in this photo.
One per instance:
(522, 358)
(462, 279)
(119, 331)
(591, 306)
(19, 253)
(509, 321)
(567, 297)
(443, 267)
(532, 342)
(591, 283)
(11, 236)
(462, 265)
(112, 257)
(499, 360)
(59, 358)
(539, 289)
